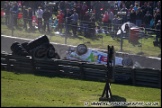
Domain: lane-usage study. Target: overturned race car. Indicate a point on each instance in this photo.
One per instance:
(82, 53)
(37, 48)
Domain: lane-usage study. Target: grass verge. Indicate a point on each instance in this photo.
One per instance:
(29, 90)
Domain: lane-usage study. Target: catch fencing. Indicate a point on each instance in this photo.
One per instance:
(86, 28)
(81, 70)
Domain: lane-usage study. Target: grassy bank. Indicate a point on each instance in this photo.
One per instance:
(30, 90)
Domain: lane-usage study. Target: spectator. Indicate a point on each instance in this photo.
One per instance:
(139, 17)
(132, 16)
(131, 7)
(39, 14)
(7, 12)
(111, 17)
(158, 6)
(74, 18)
(157, 16)
(67, 21)
(61, 5)
(144, 8)
(135, 7)
(46, 16)
(119, 3)
(25, 16)
(85, 24)
(14, 10)
(147, 19)
(84, 9)
(128, 4)
(158, 34)
(148, 8)
(124, 9)
(127, 29)
(105, 20)
(67, 5)
(78, 8)
(115, 24)
(30, 15)
(60, 18)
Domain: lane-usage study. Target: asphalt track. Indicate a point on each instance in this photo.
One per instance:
(147, 62)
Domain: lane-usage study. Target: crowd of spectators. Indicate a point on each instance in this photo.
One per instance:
(80, 15)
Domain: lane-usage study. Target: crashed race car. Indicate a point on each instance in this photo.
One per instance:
(37, 48)
(82, 53)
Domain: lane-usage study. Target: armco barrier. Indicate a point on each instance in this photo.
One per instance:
(147, 77)
(81, 70)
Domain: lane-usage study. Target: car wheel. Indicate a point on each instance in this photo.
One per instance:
(81, 49)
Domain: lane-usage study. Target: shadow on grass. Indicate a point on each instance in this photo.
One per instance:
(115, 101)
(116, 98)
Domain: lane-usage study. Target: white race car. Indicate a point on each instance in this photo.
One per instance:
(82, 53)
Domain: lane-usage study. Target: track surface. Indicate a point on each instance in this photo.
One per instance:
(148, 62)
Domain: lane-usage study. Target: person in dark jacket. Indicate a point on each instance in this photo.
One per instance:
(14, 11)
(30, 18)
(74, 23)
(139, 17)
(158, 34)
(157, 16)
(7, 11)
(147, 19)
(132, 16)
(46, 16)
(67, 21)
(127, 29)
(25, 16)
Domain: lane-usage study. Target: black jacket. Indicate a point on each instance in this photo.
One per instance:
(132, 17)
(47, 15)
(25, 13)
(139, 16)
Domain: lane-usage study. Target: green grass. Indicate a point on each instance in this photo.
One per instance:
(148, 49)
(30, 90)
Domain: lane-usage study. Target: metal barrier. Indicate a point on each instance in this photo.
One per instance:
(81, 70)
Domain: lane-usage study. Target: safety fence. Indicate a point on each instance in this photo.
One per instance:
(91, 30)
(90, 25)
(81, 70)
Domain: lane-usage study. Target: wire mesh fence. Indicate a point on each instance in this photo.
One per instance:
(135, 39)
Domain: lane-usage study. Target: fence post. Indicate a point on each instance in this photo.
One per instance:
(66, 38)
(66, 25)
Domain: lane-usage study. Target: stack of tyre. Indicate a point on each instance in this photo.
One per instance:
(37, 48)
